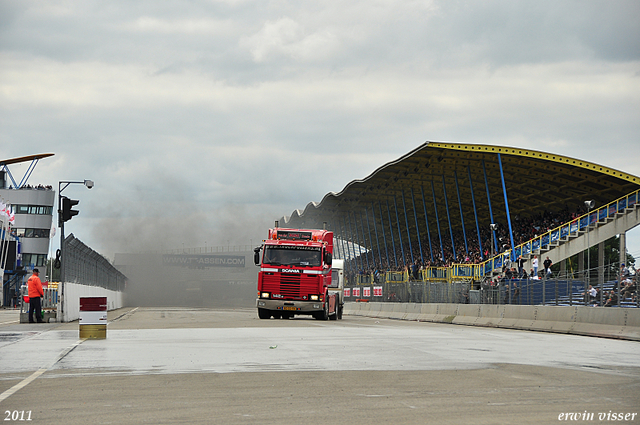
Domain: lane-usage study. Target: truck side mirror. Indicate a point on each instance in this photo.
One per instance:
(327, 258)
(256, 256)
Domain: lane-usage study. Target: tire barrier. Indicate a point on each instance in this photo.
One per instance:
(619, 323)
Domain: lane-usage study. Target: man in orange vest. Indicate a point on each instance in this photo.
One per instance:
(35, 293)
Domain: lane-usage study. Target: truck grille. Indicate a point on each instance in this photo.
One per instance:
(289, 285)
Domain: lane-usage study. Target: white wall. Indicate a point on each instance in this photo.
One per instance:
(74, 291)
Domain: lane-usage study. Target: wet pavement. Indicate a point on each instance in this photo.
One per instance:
(152, 357)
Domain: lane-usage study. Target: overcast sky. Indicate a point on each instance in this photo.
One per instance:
(203, 121)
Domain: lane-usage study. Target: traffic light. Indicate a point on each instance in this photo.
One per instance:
(67, 212)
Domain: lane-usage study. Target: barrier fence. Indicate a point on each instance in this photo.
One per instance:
(87, 267)
(552, 291)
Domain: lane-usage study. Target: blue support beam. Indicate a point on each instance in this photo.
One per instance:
(342, 242)
(356, 258)
(406, 221)
(348, 250)
(506, 204)
(415, 215)
(464, 231)
(475, 212)
(364, 239)
(435, 207)
(426, 219)
(393, 243)
(360, 243)
(384, 238)
(375, 229)
(446, 203)
(404, 261)
(486, 183)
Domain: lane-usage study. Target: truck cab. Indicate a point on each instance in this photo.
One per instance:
(296, 275)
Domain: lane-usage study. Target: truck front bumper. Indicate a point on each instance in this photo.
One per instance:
(296, 307)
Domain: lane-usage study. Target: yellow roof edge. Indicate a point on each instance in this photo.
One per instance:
(529, 153)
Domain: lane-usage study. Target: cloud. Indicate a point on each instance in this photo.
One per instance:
(198, 26)
(286, 38)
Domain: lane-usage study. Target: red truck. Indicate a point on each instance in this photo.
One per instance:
(296, 275)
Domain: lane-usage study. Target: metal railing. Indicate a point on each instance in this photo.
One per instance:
(559, 291)
(564, 231)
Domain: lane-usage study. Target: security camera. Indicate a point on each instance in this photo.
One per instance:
(589, 204)
(88, 183)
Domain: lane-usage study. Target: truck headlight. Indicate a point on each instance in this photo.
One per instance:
(264, 295)
(313, 297)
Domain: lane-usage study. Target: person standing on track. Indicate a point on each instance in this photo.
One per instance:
(35, 297)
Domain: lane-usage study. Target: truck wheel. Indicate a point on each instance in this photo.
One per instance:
(325, 313)
(264, 314)
(339, 314)
(334, 316)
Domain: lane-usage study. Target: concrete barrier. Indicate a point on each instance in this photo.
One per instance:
(518, 316)
(468, 314)
(427, 312)
(413, 311)
(399, 311)
(73, 293)
(622, 323)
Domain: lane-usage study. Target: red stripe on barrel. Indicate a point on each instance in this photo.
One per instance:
(93, 304)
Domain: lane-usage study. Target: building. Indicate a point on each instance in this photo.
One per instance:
(33, 208)
(30, 235)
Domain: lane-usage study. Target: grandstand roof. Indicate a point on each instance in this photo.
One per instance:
(535, 182)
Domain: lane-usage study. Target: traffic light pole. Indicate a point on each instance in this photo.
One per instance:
(61, 257)
(61, 221)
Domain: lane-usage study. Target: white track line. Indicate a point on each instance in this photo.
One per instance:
(8, 393)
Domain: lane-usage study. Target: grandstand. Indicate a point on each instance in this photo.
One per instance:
(450, 213)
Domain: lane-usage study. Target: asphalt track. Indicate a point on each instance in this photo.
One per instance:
(171, 365)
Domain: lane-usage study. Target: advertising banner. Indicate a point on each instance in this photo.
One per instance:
(194, 261)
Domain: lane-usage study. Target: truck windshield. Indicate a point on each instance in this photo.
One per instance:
(292, 256)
